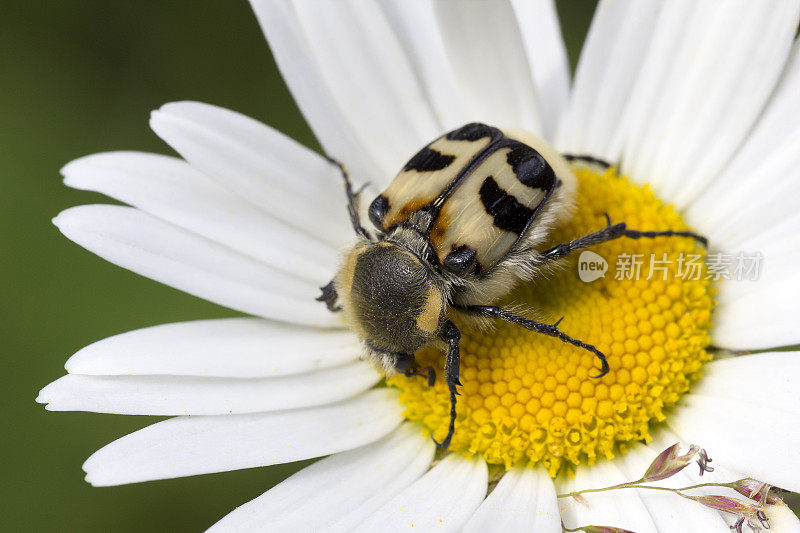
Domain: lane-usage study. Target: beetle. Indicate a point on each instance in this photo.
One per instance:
(455, 230)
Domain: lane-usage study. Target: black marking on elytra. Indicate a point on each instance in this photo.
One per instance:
(507, 212)
(377, 211)
(461, 261)
(586, 159)
(468, 132)
(472, 132)
(530, 167)
(429, 160)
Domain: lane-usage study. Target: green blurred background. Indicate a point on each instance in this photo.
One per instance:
(80, 77)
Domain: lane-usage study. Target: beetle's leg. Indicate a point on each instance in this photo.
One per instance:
(539, 327)
(586, 158)
(405, 364)
(329, 296)
(352, 200)
(452, 367)
(428, 372)
(609, 233)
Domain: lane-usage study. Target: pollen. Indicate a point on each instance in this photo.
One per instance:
(529, 399)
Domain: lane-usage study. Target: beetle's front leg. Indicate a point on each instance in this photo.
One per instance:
(452, 367)
(406, 364)
(329, 296)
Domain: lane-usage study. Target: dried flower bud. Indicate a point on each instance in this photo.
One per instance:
(605, 529)
(728, 505)
(669, 463)
(755, 490)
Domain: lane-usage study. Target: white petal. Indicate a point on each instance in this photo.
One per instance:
(414, 23)
(669, 511)
(370, 78)
(709, 72)
(486, 51)
(186, 446)
(228, 347)
(139, 242)
(415, 26)
(442, 499)
(294, 57)
(547, 58)
(336, 493)
(617, 509)
(771, 378)
(171, 190)
(344, 73)
(610, 62)
(737, 210)
(761, 318)
(747, 434)
(190, 395)
(523, 500)
(285, 179)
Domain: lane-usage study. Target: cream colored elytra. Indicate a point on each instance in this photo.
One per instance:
(402, 292)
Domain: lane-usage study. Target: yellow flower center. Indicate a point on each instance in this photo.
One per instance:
(527, 398)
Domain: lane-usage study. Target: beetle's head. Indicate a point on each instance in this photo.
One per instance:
(390, 297)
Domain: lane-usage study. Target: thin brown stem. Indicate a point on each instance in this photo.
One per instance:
(637, 485)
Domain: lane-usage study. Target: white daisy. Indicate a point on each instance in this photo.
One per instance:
(698, 99)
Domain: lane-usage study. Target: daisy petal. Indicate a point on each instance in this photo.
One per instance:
(171, 190)
(328, 54)
(369, 76)
(414, 23)
(737, 211)
(708, 73)
(616, 509)
(476, 36)
(609, 64)
(260, 164)
(336, 493)
(139, 242)
(523, 500)
(669, 511)
(737, 327)
(294, 57)
(443, 498)
(185, 446)
(228, 347)
(190, 395)
(775, 375)
(749, 435)
(547, 58)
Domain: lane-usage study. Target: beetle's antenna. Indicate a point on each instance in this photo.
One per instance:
(352, 199)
